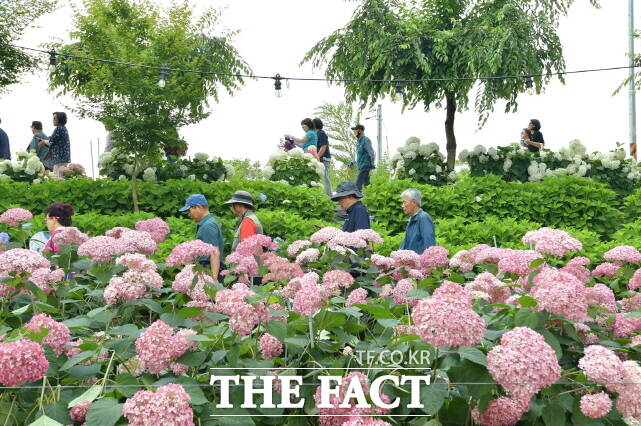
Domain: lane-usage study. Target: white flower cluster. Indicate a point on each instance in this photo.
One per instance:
(230, 170)
(431, 157)
(149, 174)
(298, 154)
(26, 163)
(201, 156)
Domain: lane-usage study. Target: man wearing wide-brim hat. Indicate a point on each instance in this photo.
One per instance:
(348, 197)
(242, 204)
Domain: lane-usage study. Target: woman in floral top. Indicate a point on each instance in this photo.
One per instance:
(58, 142)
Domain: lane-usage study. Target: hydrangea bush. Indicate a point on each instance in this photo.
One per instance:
(536, 336)
(26, 167)
(515, 163)
(422, 163)
(294, 167)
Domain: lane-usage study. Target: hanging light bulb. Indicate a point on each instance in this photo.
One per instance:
(164, 75)
(398, 90)
(278, 85)
(52, 61)
(529, 85)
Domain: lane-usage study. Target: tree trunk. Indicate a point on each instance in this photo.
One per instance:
(449, 129)
(134, 189)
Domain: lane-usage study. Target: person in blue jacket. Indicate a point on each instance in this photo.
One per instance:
(348, 198)
(419, 233)
(5, 151)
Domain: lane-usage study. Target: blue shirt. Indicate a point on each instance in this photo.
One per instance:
(419, 233)
(312, 139)
(208, 231)
(5, 152)
(357, 218)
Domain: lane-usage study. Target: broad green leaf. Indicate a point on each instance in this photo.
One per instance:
(433, 397)
(528, 301)
(527, 318)
(376, 310)
(45, 421)
(104, 412)
(473, 354)
(190, 312)
(277, 329)
(388, 323)
(81, 357)
(89, 395)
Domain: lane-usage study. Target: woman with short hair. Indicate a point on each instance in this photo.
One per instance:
(309, 139)
(58, 142)
(57, 217)
(536, 142)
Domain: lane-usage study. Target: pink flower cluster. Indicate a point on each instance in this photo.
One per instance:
(340, 241)
(324, 235)
(334, 279)
(463, 260)
(523, 363)
(189, 252)
(101, 249)
(518, 262)
(603, 296)
(168, 406)
(184, 283)
(158, 346)
(13, 217)
(270, 346)
(58, 336)
(369, 235)
(357, 296)
(624, 327)
(280, 269)
(487, 283)
(606, 269)
(596, 405)
(138, 242)
(447, 318)
(69, 236)
(22, 260)
(131, 285)
(560, 293)
(336, 416)
(502, 411)
(79, 412)
(44, 278)
(22, 361)
(406, 259)
(383, 263)
(482, 253)
(635, 281)
(310, 297)
(577, 266)
(243, 316)
(294, 248)
(255, 245)
(434, 257)
(156, 227)
(622, 254)
(552, 241)
(400, 291)
(72, 170)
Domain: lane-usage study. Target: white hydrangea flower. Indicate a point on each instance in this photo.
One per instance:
(432, 177)
(21, 155)
(463, 155)
(122, 177)
(183, 168)
(583, 169)
(412, 140)
(34, 181)
(191, 177)
(230, 170)
(410, 154)
(105, 158)
(478, 150)
(478, 198)
(424, 150)
(493, 153)
(438, 169)
(507, 165)
(129, 169)
(296, 153)
(201, 156)
(149, 174)
(395, 157)
(412, 172)
(619, 154)
(483, 158)
(452, 176)
(17, 167)
(577, 148)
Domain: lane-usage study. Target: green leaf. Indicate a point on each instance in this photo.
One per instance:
(416, 293)
(632, 315)
(189, 312)
(82, 264)
(299, 341)
(89, 395)
(388, 323)
(433, 397)
(473, 354)
(124, 330)
(193, 359)
(45, 421)
(553, 415)
(127, 384)
(376, 310)
(22, 310)
(551, 340)
(527, 318)
(528, 301)
(81, 357)
(104, 412)
(277, 329)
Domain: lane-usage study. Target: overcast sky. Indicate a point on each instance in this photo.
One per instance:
(275, 35)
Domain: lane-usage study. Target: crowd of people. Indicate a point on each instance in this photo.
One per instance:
(54, 151)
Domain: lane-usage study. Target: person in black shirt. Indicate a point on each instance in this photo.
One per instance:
(536, 141)
(347, 196)
(322, 147)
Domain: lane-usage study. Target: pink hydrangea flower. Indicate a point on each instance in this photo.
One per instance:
(136, 261)
(624, 327)
(463, 260)
(447, 318)
(596, 405)
(400, 291)
(347, 239)
(138, 242)
(183, 283)
(621, 254)
(44, 278)
(101, 249)
(309, 299)
(168, 406)
(629, 403)
(601, 365)
(631, 303)
(492, 286)
(523, 363)
(552, 241)
(22, 260)
(434, 257)
(79, 412)
(22, 361)
(307, 256)
(243, 316)
(381, 262)
(578, 267)
(58, 336)
(157, 346)
(281, 270)
(560, 293)
(369, 235)
(189, 252)
(270, 346)
(606, 270)
(502, 411)
(13, 217)
(69, 236)
(325, 234)
(338, 278)
(518, 262)
(294, 248)
(178, 369)
(406, 259)
(117, 232)
(635, 281)
(156, 227)
(490, 254)
(255, 245)
(358, 295)
(601, 295)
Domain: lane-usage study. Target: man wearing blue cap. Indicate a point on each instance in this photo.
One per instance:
(208, 230)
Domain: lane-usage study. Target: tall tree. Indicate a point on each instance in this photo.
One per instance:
(452, 42)
(146, 115)
(15, 17)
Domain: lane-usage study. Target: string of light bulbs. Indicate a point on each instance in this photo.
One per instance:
(399, 84)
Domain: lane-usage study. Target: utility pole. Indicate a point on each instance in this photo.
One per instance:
(631, 85)
(379, 118)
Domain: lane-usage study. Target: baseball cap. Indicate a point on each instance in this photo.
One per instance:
(194, 200)
(359, 127)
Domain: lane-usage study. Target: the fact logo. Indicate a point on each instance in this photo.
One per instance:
(330, 388)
